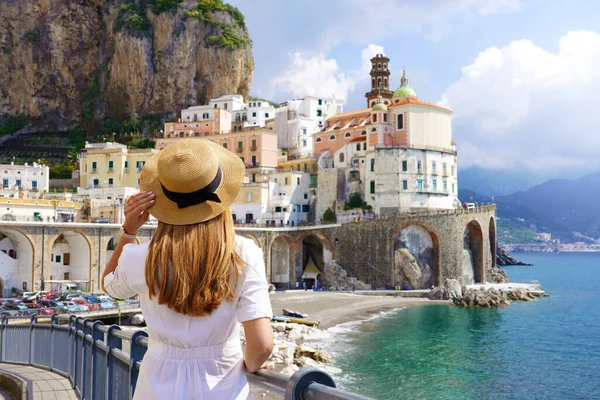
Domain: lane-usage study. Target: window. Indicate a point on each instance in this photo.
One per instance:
(305, 196)
(384, 117)
(266, 115)
(66, 258)
(405, 185)
(434, 185)
(319, 113)
(373, 129)
(357, 146)
(111, 165)
(286, 181)
(278, 209)
(254, 162)
(363, 133)
(320, 102)
(372, 164)
(372, 187)
(420, 184)
(319, 140)
(110, 181)
(96, 183)
(453, 188)
(215, 106)
(400, 121)
(305, 167)
(240, 147)
(444, 169)
(332, 137)
(126, 165)
(195, 117)
(34, 184)
(374, 117)
(19, 183)
(341, 157)
(248, 197)
(364, 145)
(297, 181)
(57, 258)
(225, 106)
(445, 186)
(347, 135)
(305, 208)
(304, 131)
(94, 166)
(304, 143)
(404, 166)
(254, 114)
(453, 170)
(434, 167)
(225, 145)
(205, 116)
(419, 167)
(297, 167)
(259, 104)
(253, 145)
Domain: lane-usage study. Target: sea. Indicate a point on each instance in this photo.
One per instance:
(548, 348)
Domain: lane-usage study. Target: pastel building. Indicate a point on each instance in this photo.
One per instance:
(296, 120)
(17, 178)
(400, 157)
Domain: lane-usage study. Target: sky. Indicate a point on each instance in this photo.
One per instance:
(522, 76)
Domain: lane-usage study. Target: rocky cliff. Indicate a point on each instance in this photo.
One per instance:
(64, 62)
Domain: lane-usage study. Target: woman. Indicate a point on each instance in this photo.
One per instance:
(196, 280)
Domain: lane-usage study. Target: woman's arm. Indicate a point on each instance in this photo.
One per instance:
(259, 343)
(135, 216)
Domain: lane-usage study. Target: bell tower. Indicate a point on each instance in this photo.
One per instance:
(380, 81)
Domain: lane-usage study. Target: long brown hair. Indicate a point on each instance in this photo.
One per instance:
(194, 268)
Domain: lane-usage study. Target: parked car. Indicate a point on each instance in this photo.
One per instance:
(24, 311)
(56, 305)
(101, 221)
(71, 307)
(5, 312)
(105, 302)
(82, 303)
(41, 310)
(69, 296)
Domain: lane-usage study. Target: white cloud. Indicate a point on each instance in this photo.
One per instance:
(521, 106)
(320, 76)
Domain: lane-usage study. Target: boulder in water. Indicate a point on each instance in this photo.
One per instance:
(410, 267)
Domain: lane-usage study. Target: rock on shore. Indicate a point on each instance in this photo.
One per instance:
(502, 258)
(494, 297)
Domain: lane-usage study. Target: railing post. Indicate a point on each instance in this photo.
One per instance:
(32, 325)
(96, 335)
(136, 354)
(4, 322)
(53, 323)
(87, 330)
(112, 342)
(72, 333)
(304, 377)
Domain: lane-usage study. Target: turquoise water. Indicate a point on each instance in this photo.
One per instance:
(544, 349)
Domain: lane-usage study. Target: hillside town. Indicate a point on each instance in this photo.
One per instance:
(307, 161)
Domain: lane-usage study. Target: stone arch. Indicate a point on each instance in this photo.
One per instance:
(341, 157)
(315, 248)
(17, 270)
(280, 261)
(414, 245)
(493, 243)
(74, 262)
(473, 253)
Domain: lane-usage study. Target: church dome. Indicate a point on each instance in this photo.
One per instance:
(379, 107)
(405, 91)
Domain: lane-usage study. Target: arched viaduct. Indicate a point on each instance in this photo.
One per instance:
(440, 243)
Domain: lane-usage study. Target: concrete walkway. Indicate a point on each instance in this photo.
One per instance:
(41, 384)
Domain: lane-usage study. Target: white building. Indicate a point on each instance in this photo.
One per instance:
(15, 178)
(296, 120)
(253, 113)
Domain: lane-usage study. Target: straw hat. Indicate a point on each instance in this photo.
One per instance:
(194, 180)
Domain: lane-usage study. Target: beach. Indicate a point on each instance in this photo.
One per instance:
(334, 308)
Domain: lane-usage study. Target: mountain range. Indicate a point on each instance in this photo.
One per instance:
(567, 208)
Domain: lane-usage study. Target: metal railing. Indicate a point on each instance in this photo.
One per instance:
(92, 356)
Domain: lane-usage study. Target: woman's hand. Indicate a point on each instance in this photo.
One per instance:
(135, 210)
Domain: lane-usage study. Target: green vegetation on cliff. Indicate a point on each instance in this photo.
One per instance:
(161, 6)
(13, 124)
(227, 36)
(329, 216)
(133, 19)
(252, 98)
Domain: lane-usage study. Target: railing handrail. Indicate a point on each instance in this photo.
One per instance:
(99, 368)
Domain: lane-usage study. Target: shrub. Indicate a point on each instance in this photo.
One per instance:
(228, 36)
(13, 124)
(133, 20)
(32, 36)
(329, 216)
(161, 6)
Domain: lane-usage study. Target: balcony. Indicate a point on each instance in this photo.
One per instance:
(94, 170)
(240, 150)
(111, 170)
(434, 172)
(253, 148)
(126, 169)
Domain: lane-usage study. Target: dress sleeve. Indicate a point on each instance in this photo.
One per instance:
(254, 299)
(118, 283)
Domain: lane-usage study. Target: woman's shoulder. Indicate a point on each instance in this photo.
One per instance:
(247, 247)
(134, 255)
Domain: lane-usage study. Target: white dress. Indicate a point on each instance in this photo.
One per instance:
(193, 357)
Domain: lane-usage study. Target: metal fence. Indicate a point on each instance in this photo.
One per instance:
(91, 355)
